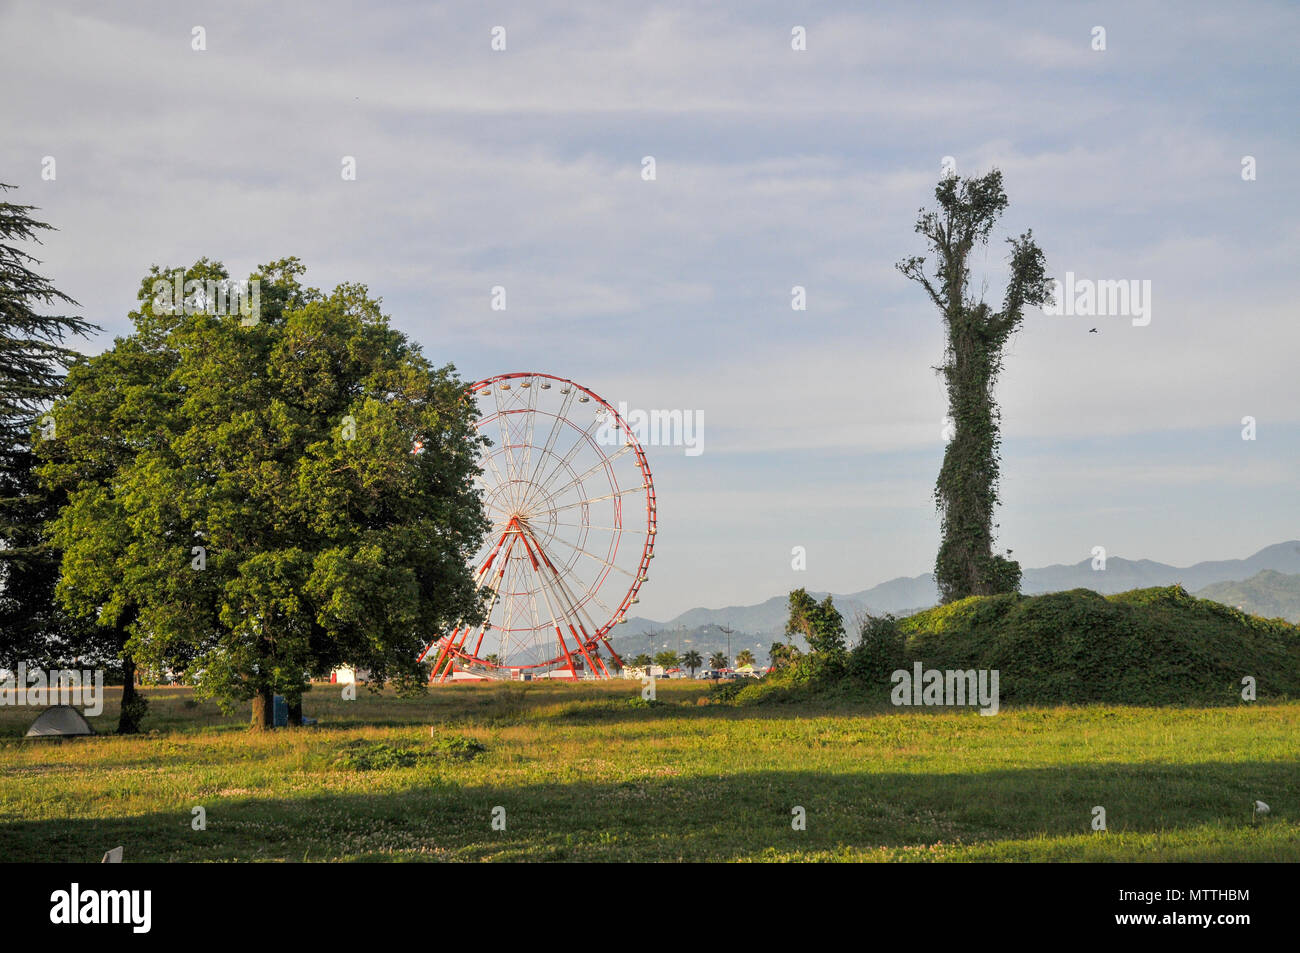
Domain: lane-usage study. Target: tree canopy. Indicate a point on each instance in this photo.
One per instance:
(246, 498)
(667, 658)
(34, 355)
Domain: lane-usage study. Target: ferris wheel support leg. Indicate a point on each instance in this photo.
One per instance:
(568, 656)
(436, 673)
(591, 666)
(446, 662)
(437, 662)
(560, 594)
(617, 658)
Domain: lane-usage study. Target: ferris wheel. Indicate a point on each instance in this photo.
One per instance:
(568, 491)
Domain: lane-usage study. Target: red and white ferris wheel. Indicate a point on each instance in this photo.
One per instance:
(568, 491)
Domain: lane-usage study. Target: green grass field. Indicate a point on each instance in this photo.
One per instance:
(586, 773)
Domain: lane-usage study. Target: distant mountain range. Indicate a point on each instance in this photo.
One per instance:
(1267, 583)
(1268, 593)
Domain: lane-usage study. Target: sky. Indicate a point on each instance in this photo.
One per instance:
(774, 167)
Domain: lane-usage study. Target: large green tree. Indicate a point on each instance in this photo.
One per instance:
(966, 492)
(256, 499)
(34, 354)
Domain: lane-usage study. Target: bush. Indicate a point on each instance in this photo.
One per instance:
(374, 756)
(381, 756)
(458, 746)
(816, 667)
(724, 691)
(881, 649)
(132, 714)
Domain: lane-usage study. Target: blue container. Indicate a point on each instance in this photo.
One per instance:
(280, 712)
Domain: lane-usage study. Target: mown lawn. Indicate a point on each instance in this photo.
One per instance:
(589, 773)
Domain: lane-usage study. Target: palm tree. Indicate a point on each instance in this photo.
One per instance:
(692, 661)
(717, 660)
(642, 661)
(746, 657)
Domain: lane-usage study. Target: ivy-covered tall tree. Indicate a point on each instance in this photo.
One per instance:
(34, 355)
(967, 489)
(259, 501)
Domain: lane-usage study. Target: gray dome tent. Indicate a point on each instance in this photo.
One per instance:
(60, 720)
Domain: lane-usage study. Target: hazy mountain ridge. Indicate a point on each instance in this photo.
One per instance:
(1268, 593)
(908, 594)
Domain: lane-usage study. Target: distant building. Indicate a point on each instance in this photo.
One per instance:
(652, 671)
(349, 676)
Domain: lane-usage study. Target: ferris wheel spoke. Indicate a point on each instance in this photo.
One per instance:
(564, 596)
(506, 514)
(501, 480)
(591, 555)
(554, 433)
(579, 604)
(559, 576)
(530, 420)
(503, 424)
(540, 574)
(606, 529)
(597, 499)
(583, 440)
(603, 462)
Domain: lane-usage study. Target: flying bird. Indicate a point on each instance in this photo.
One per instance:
(1093, 331)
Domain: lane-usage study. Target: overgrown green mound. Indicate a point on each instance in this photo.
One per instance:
(1148, 646)
(1156, 646)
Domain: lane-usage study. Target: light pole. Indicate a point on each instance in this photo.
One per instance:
(727, 630)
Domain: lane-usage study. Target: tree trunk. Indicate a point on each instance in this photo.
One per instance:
(295, 713)
(967, 485)
(133, 703)
(263, 711)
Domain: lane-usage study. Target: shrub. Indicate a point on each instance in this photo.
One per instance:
(381, 756)
(458, 746)
(724, 691)
(880, 651)
(817, 667)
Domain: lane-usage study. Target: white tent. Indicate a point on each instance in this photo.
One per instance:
(60, 720)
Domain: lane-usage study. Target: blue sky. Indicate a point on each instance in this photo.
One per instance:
(775, 168)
